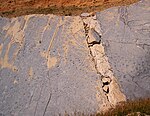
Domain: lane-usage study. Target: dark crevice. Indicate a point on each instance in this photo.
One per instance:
(106, 91)
(86, 28)
(47, 104)
(38, 101)
(91, 44)
(105, 83)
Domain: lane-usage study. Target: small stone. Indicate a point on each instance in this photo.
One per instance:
(106, 80)
(94, 37)
(96, 26)
(15, 81)
(85, 15)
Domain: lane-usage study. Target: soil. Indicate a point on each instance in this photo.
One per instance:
(13, 8)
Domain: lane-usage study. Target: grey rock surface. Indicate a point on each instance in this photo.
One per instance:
(126, 37)
(95, 37)
(46, 67)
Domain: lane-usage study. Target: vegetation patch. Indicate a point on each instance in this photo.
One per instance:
(131, 108)
(139, 107)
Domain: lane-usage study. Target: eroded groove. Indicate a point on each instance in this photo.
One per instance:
(47, 104)
(110, 87)
(38, 101)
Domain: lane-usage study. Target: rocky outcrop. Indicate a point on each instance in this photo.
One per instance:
(46, 67)
(126, 39)
(56, 64)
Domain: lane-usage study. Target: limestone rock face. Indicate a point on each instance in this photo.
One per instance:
(48, 68)
(126, 39)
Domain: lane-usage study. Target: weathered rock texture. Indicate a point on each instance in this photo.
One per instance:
(110, 86)
(54, 64)
(126, 37)
(46, 67)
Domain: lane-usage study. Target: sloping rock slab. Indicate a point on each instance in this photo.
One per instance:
(45, 67)
(126, 37)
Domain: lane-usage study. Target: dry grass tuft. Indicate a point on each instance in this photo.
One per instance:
(139, 107)
(132, 108)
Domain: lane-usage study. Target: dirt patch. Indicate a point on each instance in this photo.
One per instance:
(13, 8)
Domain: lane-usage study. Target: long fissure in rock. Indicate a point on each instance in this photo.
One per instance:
(110, 87)
(90, 42)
